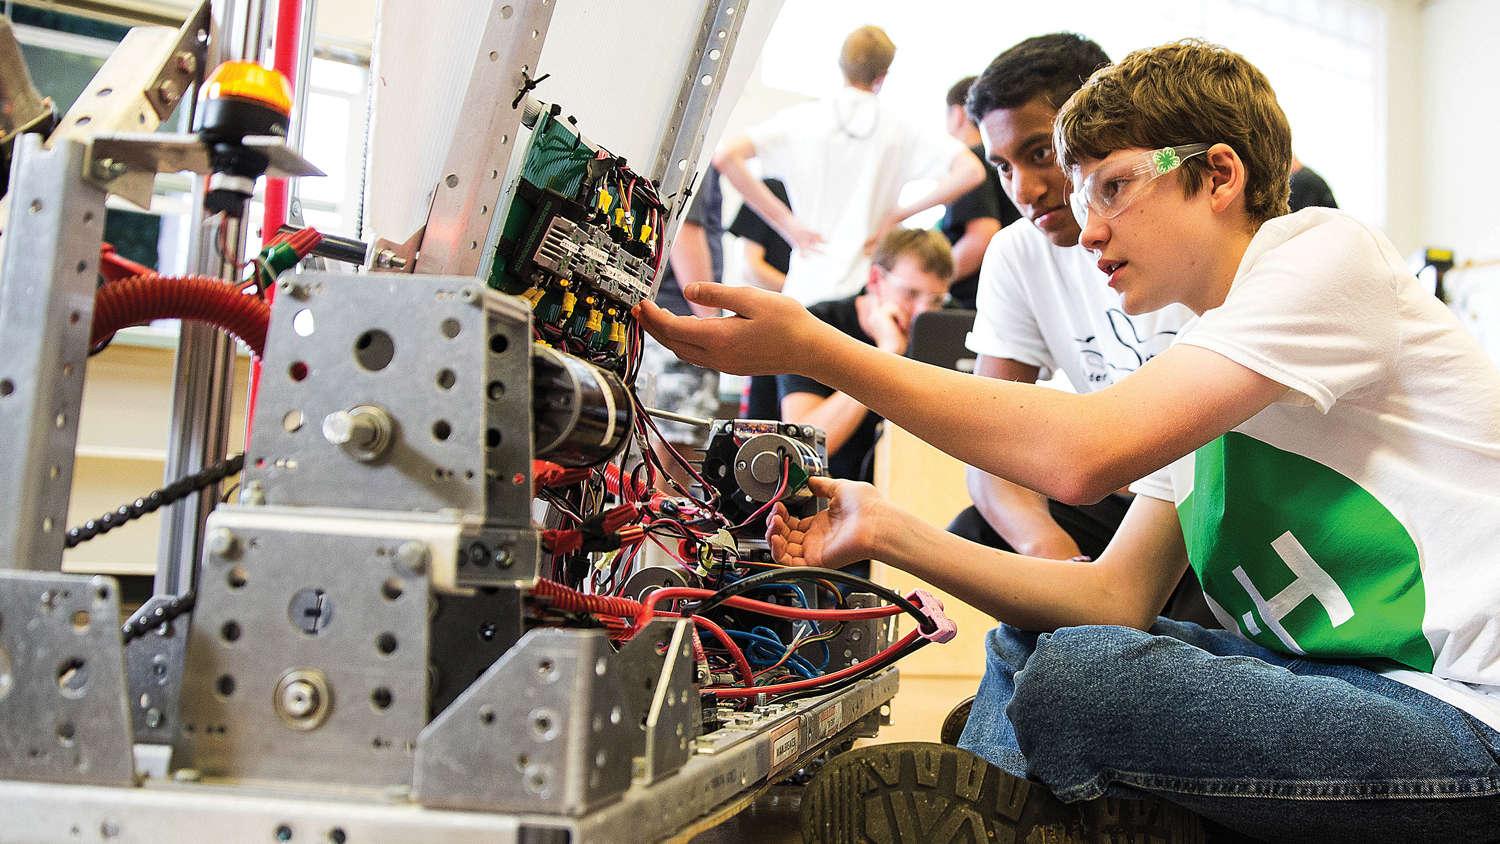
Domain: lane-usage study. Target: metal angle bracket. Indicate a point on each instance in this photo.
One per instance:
(63, 713)
(659, 667)
(543, 731)
(139, 86)
(489, 119)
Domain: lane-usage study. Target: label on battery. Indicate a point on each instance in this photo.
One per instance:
(784, 745)
(831, 721)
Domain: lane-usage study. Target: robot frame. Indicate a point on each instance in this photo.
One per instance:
(447, 600)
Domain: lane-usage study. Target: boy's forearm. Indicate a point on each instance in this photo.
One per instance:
(1020, 516)
(1025, 592)
(968, 252)
(730, 161)
(964, 174)
(1073, 448)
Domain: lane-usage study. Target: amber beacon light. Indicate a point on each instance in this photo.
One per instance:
(240, 99)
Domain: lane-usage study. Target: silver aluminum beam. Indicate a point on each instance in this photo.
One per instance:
(682, 137)
(488, 121)
(46, 312)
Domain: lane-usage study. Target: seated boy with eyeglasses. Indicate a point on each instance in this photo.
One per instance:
(909, 274)
(1323, 449)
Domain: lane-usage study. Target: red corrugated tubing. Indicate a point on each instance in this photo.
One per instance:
(570, 600)
(197, 298)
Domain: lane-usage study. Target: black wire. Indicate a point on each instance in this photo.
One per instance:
(740, 587)
(875, 667)
(175, 491)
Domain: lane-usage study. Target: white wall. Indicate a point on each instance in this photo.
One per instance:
(1459, 127)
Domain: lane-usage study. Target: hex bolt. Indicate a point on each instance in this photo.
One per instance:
(223, 543)
(299, 699)
(106, 169)
(413, 556)
(503, 557)
(388, 259)
(253, 495)
(167, 91)
(292, 288)
(187, 62)
(364, 432)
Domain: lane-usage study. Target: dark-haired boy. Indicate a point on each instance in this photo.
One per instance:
(1325, 447)
(972, 220)
(1044, 306)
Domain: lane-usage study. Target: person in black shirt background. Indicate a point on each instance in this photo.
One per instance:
(767, 256)
(909, 274)
(973, 218)
(1308, 188)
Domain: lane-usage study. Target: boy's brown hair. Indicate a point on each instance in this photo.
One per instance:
(866, 56)
(1184, 93)
(928, 246)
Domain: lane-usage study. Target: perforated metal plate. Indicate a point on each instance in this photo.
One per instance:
(62, 680)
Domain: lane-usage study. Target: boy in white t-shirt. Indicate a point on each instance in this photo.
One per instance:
(1330, 440)
(1044, 307)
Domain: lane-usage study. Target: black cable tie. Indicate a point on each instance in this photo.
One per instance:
(527, 86)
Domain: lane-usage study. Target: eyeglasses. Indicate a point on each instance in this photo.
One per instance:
(911, 295)
(1110, 189)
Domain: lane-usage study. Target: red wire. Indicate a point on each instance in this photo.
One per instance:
(672, 593)
(734, 650)
(800, 685)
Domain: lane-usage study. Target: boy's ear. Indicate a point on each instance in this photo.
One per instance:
(1226, 175)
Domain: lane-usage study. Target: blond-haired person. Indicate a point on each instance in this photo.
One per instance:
(844, 160)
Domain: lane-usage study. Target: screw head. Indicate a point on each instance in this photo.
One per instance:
(413, 555)
(153, 718)
(222, 543)
(504, 558)
(299, 699)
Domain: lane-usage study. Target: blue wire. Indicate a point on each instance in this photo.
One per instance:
(769, 650)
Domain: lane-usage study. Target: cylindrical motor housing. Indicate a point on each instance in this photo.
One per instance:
(582, 413)
(757, 465)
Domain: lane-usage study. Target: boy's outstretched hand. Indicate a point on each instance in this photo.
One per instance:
(832, 538)
(769, 334)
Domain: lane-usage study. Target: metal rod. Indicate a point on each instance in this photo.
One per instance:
(678, 417)
(203, 373)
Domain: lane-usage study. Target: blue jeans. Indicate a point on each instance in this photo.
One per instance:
(1257, 742)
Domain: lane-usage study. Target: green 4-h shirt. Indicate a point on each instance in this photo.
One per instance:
(1357, 518)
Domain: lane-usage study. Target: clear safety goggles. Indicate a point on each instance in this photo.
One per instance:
(1110, 189)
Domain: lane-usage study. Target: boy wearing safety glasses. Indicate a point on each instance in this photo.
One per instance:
(1325, 439)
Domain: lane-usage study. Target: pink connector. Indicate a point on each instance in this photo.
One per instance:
(933, 609)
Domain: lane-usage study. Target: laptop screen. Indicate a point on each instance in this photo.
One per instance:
(937, 337)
